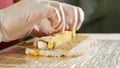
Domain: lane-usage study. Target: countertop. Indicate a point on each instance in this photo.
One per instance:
(105, 55)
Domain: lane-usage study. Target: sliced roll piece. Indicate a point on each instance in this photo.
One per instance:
(79, 45)
(50, 42)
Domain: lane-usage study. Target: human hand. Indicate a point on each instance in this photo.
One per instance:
(18, 20)
(71, 19)
(34, 17)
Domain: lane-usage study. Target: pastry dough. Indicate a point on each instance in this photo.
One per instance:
(63, 44)
(50, 42)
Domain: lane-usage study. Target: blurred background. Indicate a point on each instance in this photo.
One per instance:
(101, 16)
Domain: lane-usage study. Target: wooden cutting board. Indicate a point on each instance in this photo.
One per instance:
(105, 55)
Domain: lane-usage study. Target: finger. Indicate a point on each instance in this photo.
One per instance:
(76, 19)
(54, 16)
(69, 16)
(37, 33)
(53, 11)
(43, 28)
(61, 25)
(80, 18)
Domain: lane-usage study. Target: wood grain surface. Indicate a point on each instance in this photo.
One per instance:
(105, 55)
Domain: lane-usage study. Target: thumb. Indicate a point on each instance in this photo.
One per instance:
(43, 28)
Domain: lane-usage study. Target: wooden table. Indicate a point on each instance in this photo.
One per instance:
(105, 55)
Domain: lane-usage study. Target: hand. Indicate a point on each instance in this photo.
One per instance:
(18, 20)
(71, 18)
(74, 17)
(37, 18)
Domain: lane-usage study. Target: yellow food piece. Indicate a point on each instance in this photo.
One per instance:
(60, 38)
(65, 49)
(34, 52)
